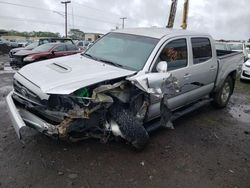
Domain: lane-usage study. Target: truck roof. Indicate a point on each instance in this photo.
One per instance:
(157, 32)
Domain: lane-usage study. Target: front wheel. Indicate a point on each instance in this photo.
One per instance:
(222, 97)
(131, 128)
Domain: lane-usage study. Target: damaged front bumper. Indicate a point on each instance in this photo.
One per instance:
(21, 118)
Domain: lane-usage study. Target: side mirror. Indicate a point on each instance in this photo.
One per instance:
(162, 67)
(53, 52)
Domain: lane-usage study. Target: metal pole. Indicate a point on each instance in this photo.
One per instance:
(172, 14)
(66, 16)
(185, 14)
(123, 21)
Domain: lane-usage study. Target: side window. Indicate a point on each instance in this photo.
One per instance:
(60, 48)
(71, 47)
(202, 50)
(175, 54)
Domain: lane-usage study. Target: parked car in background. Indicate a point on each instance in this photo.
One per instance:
(3, 41)
(13, 43)
(55, 40)
(83, 45)
(29, 47)
(22, 43)
(90, 44)
(43, 52)
(245, 73)
(238, 47)
(248, 50)
(221, 46)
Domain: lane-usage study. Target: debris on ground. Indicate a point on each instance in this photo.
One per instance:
(247, 132)
(72, 176)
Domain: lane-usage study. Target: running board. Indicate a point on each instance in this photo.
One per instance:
(177, 114)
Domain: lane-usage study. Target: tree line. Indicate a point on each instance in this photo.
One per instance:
(73, 33)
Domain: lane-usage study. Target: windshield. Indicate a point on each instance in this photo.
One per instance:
(125, 50)
(44, 47)
(235, 47)
(32, 45)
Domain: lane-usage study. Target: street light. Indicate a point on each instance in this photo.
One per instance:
(66, 19)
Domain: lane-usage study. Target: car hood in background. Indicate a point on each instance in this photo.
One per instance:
(247, 63)
(26, 52)
(68, 74)
(16, 49)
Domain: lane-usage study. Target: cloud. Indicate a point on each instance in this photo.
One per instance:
(223, 19)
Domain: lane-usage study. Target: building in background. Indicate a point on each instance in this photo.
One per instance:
(2, 32)
(92, 36)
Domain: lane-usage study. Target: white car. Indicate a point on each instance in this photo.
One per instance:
(245, 73)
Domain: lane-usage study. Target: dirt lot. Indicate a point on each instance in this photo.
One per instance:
(208, 148)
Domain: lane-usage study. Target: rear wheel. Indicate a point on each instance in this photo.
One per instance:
(222, 97)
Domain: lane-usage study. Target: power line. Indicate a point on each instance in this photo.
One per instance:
(100, 10)
(48, 10)
(26, 6)
(106, 12)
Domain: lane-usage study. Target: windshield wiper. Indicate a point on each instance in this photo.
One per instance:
(88, 55)
(106, 61)
(110, 62)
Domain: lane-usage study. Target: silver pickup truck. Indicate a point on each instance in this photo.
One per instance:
(114, 89)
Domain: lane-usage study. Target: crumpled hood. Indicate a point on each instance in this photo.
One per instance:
(68, 74)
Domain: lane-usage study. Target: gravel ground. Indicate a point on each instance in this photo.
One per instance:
(208, 148)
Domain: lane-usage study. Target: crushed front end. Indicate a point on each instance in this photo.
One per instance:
(80, 115)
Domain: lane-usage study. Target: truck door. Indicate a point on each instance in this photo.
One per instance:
(176, 53)
(203, 68)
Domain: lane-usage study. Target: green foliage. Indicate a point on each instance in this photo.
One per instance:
(32, 34)
(76, 34)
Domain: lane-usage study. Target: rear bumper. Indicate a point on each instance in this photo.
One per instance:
(21, 118)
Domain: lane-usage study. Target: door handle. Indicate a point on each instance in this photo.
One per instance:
(212, 68)
(187, 75)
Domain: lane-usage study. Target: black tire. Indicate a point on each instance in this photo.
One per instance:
(131, 128)
(222, 96)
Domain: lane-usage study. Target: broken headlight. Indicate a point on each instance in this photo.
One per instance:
(80, 98)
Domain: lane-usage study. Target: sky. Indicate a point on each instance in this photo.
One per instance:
(223, 19)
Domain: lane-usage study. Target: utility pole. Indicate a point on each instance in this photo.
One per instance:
(172, 14)
(185, 14)
(66, 16)
(123, 20)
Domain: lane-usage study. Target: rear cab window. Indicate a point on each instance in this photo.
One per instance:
(202, 50)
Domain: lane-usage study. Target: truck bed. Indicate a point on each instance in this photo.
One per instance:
(221, 54)
(228, 61)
